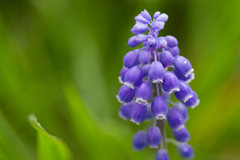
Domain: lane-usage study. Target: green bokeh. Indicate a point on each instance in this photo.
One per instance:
(60, 60)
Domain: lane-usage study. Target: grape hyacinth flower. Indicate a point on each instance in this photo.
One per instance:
(150, 75)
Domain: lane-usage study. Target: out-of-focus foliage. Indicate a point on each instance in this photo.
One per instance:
(49, 147)
(60, 60)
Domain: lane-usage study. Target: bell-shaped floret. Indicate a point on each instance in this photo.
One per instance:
(122, 74)
(182, 66)
(170, 83)
(162, 154)
(136, 40)
(156, 72)
(162, 43)
(165, 95)
(158, 25)
(145, 56)
(192, 102)
(175, 119)
(145, 70)
(143, 93)
(151, 42)
(131, 59)
(171, 41)
(149, 112)
(174, 50)
(163, 17)
(125, 94)
(166, 59)
(125, 110)
(139, 113)
(181, 135)
(139, 28)
(153, 137)
(187, 79)
(185, 151)
(185, 92)
(146, 15)
(139, 141)
(140, 18)
(133, 77)
(156, 14)
(159, 107)
(182, 109)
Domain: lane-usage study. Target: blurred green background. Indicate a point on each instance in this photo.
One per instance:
(60, 59)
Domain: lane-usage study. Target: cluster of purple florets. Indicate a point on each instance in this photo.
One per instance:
(169, 72)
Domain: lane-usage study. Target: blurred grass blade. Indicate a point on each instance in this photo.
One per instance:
(49, 147)
(11, 146)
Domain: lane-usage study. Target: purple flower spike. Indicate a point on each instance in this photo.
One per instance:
(145, 70)
(125, 94)
(162, 43)
(145, 56)
(187, 79)
(156, 72)
(143, 93)
(183, 66)
(139, 141)
(133, 77)
(141, 19)
(139, 113)
(174, 50)
(125, 110)
(182, 109)
(159, 107)
(166, 59)
(162, 154)
(156, 14)
(193, 102)
(170, 83)
(185, 151)
(185, 92)
(158, 25)
(131, 59)
(122, 74)
(175, 119)
(163, 17)
(171, 41)
(139, 28)
(153, 137)
(146, 15)
(182, 135)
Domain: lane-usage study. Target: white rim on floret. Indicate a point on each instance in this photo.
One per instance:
(129, 85)
(125, 67)
(157, 81)
(120, 80)
(196, 104)
(187, 97)
(153, 146)
(160, 116)
(122, 116)
(180, 127)
(174, 90)
(141, 101)
(189, 72)
(120, 100)
(132, 120)
(192, 78)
